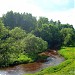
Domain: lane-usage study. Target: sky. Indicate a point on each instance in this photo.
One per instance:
(63, 10)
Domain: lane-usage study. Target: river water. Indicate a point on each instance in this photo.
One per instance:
(52, 60)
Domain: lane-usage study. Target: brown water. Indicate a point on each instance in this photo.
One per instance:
(52, 60)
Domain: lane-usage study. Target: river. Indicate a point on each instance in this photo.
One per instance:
(53, 59)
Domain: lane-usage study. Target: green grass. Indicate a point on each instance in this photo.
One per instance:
(68, 52)
(65, 68)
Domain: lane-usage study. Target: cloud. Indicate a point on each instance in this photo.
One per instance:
(60, 2)
(34, 5)
(19, 6)
(65, 16)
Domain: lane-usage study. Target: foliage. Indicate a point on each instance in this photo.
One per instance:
(55, 33)
(34, 45)
(16, 46)
(3, 31)
(50, 34)
(25, 21)
(42, 20)
(17, 33)
(22, 37)
(67, 36)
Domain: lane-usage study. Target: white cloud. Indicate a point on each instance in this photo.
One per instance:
(65, 16)
(19, 6)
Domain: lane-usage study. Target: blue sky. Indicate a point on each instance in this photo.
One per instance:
(54, 5)
(63, 10)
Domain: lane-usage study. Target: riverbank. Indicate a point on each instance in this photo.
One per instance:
(53, 58)
(65, 68)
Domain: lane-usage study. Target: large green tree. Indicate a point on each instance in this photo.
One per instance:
(34, 45)
(13, 19)
(50, 34)
(67, 36)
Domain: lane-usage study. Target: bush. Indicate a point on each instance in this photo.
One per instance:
(34, 45)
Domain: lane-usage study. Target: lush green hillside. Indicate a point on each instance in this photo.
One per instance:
(65, 68)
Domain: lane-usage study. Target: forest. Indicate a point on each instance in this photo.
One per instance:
(23, 37)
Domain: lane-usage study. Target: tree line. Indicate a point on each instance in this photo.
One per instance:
(23, 37)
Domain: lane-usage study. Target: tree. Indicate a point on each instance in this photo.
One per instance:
(8, 19)
(4, 33)
(50, 34)
(67, 35)
(16, 42)
(42, 20)
(29, 22)
(10, 44)
(61, 26)
(34, 45)
(51, 22)
(13, 19)
(18, 33)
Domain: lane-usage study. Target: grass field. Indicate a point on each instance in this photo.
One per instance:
(65, 68)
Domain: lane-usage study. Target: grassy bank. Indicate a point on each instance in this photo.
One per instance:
(65, 68)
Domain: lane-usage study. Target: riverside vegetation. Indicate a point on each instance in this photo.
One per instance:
(65, 68)
(22, 38)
